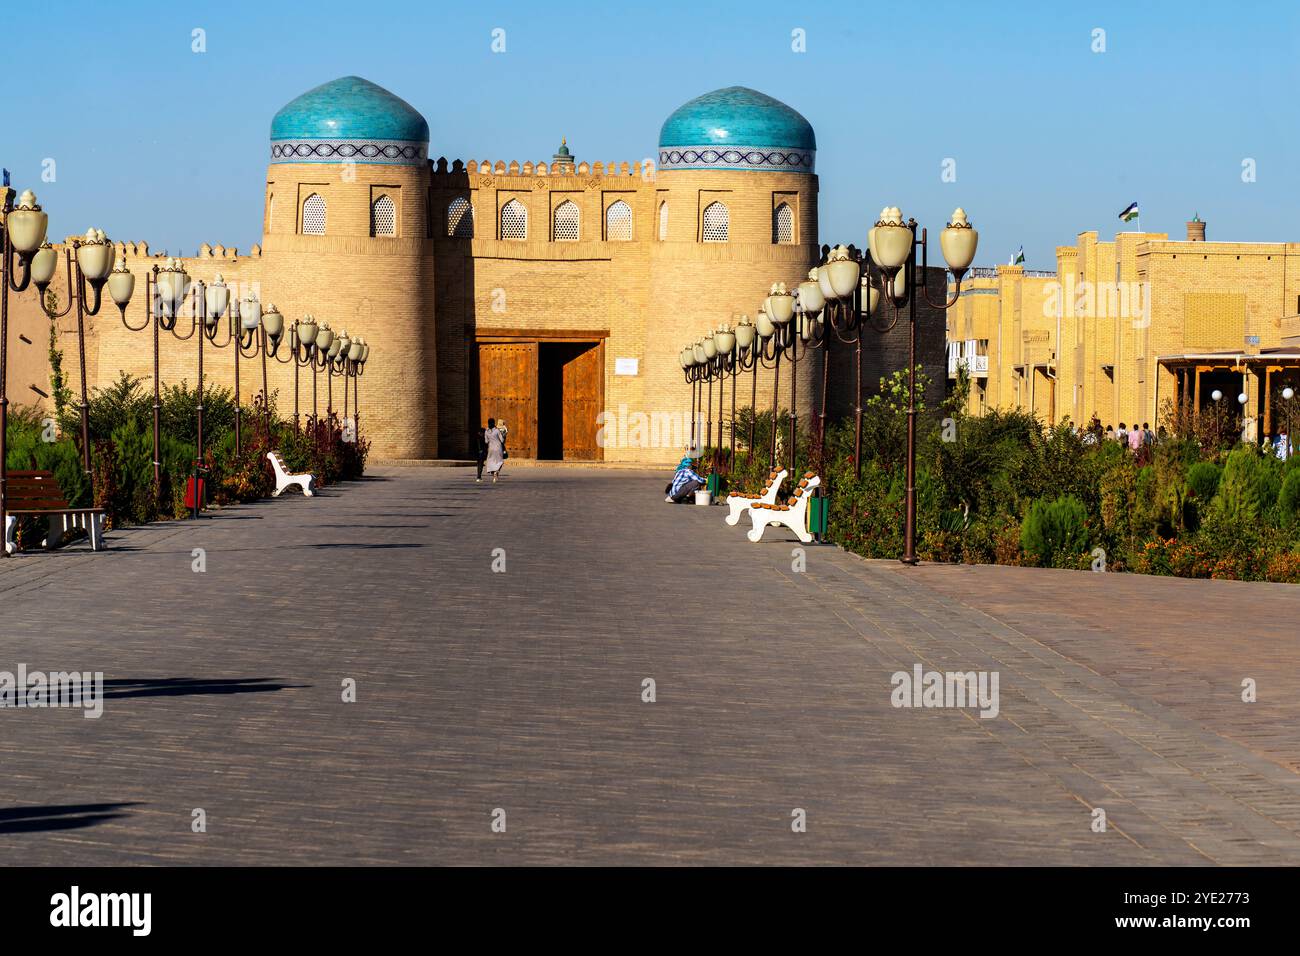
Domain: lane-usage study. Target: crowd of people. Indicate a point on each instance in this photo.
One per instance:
(1136, 437)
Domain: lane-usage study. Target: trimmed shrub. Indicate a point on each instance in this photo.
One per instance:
(1057, 528)
(1244, 488)
(1288, 499)
(1203, 478)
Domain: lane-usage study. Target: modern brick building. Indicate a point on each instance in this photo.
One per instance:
(1122, 329)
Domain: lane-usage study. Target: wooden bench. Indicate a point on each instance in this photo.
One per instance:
(37, 494)
(740, 503)
(285, 480)
(793, 514)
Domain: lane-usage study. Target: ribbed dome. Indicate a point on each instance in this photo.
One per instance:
(735, 124)
(350, 119)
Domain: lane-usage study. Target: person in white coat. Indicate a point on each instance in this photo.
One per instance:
(496, 449)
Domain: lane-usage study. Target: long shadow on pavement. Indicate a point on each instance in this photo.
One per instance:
(184, 686)
(73, 816)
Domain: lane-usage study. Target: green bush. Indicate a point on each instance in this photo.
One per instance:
(1203, 478)
(1247, 489)
(120, 418)
(27, 450)
(1055, 530)
(1288, 499)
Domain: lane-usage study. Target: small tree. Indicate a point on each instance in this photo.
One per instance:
(60, 391)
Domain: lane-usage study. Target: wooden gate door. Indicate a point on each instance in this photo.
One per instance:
(507, 389)
(583, 399)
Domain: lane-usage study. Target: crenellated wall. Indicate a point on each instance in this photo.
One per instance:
(421, 297)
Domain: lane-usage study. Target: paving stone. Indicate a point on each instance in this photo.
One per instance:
(522, 690)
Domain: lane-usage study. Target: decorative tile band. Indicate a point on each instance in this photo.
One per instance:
(772, 158)
(393, 152)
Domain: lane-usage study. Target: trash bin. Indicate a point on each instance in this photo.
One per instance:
(818, 514)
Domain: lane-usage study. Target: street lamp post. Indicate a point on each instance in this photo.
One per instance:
(1288, 408)
(849, 291)
(340, 343)
(746, 358)
(775, 329)
(303, 341)
(700, 368)
(894, 245)
(324, 342)
(724, 365)
(213, 299)
(89, 262)
(22, 232)
(353, 363)
(844, 287)
(780, 308)
(765, 331)
(710, 350)
(301, 346)
(120, 285)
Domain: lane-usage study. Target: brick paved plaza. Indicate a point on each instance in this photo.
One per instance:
(522, 691)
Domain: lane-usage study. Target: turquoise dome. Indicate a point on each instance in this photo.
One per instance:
(737, 128)
(737, 116)
(351, 119)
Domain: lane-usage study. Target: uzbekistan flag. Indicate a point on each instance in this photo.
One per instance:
(1130, 212)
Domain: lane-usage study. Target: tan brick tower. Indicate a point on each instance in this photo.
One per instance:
(346, 238)
(735, 211)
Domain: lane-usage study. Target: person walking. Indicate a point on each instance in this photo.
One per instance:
(496, 446)
(480, 450)
(1135, 438)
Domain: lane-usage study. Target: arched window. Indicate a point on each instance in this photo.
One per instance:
(618, 222)
(270, 210)
(715, 222)
(313, 216)
(663, 220)
(383, 217)
(514, 220)
(566, 222)
(460, 219)
(783, 224)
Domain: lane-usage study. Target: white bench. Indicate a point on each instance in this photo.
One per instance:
(739, 503)
(793, 514)
(283, 479)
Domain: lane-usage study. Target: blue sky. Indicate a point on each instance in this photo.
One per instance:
(155, 142)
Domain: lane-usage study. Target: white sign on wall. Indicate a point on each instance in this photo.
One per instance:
(626, 366)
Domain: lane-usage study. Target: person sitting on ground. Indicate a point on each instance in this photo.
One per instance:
(685, 482)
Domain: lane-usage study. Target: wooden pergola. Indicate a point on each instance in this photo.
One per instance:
(1189, 368)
